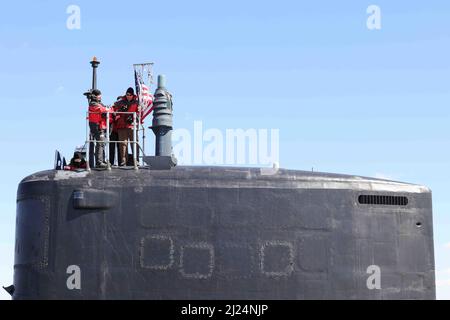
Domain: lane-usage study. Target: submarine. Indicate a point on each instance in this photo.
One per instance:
(161, 231)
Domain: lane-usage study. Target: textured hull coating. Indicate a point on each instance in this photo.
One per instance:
(220, 233)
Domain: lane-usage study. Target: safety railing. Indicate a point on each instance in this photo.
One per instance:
(90, 142)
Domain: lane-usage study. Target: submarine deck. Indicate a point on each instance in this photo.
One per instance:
(215, 176)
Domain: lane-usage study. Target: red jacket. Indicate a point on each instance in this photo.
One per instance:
(96, 110)
(123, 105)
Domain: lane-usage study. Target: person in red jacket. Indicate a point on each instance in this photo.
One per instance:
(97, 125)
(124, 123)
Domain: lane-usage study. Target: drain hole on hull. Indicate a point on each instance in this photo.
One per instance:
(383, 200)
(419, 224)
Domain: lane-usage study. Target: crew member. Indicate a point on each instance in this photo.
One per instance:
(77, 162)
(127, 103)
(97, 125)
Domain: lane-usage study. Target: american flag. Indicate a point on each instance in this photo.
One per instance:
(144, 96)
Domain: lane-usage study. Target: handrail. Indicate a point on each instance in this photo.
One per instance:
(107, 142)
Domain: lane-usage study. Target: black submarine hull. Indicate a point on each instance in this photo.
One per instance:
(221, 233)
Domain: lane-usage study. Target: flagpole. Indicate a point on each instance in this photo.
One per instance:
(142, 89)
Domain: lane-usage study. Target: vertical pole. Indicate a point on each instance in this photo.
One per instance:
(88, 143)
(108, 165)
(143, 145)
(94, 64)
(134, 141)
(91, 148)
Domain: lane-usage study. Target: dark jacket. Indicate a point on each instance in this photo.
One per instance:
(125, 121)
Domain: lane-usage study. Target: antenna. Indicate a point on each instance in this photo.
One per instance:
(162, 126)
(94, 63)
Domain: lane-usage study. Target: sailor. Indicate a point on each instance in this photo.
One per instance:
(97, 125)
(77, 162)
(126, 103)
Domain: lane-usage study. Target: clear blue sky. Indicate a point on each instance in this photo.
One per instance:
(346, 99)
